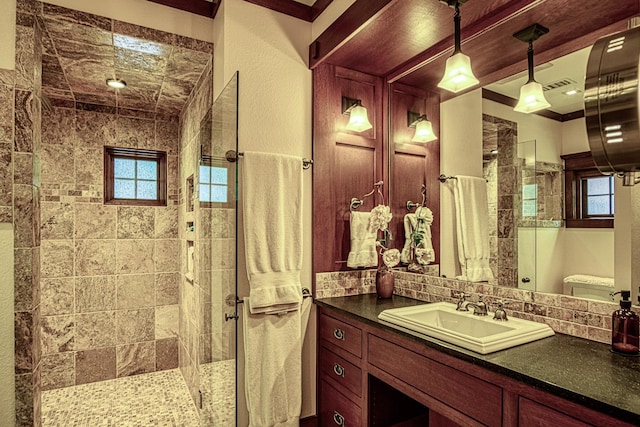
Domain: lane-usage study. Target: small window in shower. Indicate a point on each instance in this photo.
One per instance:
(529, 200)
(135, 177)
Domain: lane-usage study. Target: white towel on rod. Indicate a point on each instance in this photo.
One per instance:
(272, 192)
(363, 242)
(472, 228)
(273, 365)
(411, 224)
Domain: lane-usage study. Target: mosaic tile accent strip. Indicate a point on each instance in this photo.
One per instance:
(565, 314)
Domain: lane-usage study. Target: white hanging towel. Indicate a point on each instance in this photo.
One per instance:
(425, 248)
(272, 190)
(363, 242)
(472, 228)
(273, 366)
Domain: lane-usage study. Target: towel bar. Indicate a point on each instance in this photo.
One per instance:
(306, 293)
(232, 156)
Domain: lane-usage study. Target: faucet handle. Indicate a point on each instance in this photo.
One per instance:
(500, 313)
(460, 305)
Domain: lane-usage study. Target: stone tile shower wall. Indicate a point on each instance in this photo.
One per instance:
(195, 293)
(579, 317)
(20, 136)
(110, 273)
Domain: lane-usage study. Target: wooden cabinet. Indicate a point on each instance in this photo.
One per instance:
(372, 377)
(340, 373)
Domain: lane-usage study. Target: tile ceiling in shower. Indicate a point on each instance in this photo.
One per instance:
(81, 51)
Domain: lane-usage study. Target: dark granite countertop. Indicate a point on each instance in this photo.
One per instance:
(579, 370)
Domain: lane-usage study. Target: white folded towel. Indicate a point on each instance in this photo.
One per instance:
(273, 365)
(425, 248)
(363, 242)
(272, 192)
(472, 227)
(590, 280)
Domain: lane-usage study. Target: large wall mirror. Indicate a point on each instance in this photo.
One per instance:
(521, 156)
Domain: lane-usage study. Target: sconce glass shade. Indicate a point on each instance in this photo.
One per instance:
(424, 132)
(531, 98)
(458, 74)
(358, 119)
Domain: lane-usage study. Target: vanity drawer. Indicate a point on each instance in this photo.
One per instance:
(532, 414)
(336, 409)
(341, 334)
(473, 397)
(341, 371)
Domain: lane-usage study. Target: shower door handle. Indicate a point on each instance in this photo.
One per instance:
(228, 317)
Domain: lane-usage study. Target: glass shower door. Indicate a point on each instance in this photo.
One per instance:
(217, 189)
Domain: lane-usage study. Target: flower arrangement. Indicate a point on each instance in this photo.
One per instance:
(379, 223)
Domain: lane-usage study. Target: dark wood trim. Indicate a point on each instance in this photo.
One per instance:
(198, 7)
(344, 28)
(572, 116)
(288, 7)
(311, 421)
(589, 223)
(318, 7)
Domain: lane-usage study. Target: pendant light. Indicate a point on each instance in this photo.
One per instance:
(531, 94)
(358, 119)
(424, 128)
(458, 75)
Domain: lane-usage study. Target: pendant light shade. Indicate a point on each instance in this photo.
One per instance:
(531, 98)
(531, 94)
(358, 118)
(458, 75)
(424, 128)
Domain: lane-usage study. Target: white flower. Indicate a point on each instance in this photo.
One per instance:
(380, 218)
(391, 258)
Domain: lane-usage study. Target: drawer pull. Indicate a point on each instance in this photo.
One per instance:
(338, 370)
(338, 334)
(338, 419)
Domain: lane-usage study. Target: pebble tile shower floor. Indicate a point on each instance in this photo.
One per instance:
(155, 399)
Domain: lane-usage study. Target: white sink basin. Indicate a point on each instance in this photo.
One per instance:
(481, 334)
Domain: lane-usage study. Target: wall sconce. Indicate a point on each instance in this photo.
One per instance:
(116, 83)
(358, 120)
(424, 129)
(457, 72)
(531, 94)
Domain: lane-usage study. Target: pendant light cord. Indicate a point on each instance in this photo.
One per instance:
(456, 21)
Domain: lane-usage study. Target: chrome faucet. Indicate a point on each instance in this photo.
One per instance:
(500, 313)
(479, 308)
(461, 305)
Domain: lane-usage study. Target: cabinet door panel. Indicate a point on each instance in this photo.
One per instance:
(471, 396)
(336, 410)
(341, 334)
(533, 414)
(341, 371)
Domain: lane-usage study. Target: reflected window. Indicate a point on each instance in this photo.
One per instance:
(214, 183)
(589, 195)
(529, 200)
(135, 177)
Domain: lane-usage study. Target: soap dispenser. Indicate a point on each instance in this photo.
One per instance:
(625, 331)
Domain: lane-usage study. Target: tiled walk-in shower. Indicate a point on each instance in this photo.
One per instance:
(155, 399)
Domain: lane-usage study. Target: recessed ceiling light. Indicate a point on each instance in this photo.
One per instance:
(116, 83)
(572, 92)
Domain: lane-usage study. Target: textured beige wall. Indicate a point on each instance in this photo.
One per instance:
(7, 34)
(7, 396)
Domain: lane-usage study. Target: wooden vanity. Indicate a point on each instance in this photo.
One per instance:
(372, 375)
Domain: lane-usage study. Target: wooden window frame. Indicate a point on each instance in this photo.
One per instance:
(578, 166)
(111, 153)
